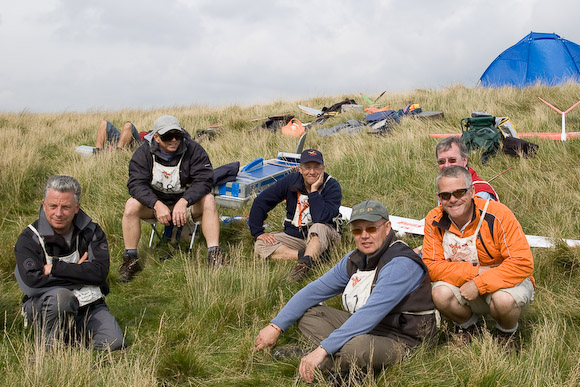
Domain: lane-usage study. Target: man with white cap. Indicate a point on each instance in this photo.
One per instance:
(386, 293)
(170, 179)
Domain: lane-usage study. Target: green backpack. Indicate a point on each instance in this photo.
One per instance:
(480, 132)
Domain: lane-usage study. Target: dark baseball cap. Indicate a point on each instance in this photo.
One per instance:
(311, 155)
(369, 210)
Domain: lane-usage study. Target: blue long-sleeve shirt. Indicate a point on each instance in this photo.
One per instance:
(395, 280)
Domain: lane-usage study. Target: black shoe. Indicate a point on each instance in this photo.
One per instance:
(289, 352)
(129, 268)
(215, 257)
(299, 272)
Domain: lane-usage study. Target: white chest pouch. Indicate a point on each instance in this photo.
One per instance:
(167, 179)
(302, 216)
(358, 290)
(87, 293)
(457, 249)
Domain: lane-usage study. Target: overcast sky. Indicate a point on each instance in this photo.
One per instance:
(71, 55)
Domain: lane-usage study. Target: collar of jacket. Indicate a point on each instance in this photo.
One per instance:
(445, 222)
(80, 222)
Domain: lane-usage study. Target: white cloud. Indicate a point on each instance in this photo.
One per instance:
(70, 55)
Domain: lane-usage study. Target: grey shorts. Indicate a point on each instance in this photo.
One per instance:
(327, 236)
(522, 293)
(113, 133)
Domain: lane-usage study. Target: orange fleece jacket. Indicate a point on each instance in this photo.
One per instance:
(505, 246)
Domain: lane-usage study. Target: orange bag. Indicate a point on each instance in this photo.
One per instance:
(294, 128)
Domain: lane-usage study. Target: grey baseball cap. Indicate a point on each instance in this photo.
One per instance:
(166, 124)
(369, 210)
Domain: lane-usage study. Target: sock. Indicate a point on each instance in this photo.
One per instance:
(509, 331)
(307, 259)
(212, 248)
(474, 318)
(132, 253)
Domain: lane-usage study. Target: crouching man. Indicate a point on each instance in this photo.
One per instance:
(62, 262)
(386, 293)
(478, 257)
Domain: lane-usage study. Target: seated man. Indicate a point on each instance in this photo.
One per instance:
(128, 136)
(312, 207)
(452, 151)
(170, 179)
(478, 257)
(62, 262)
(386, 293)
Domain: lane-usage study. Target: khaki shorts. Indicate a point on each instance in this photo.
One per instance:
(327, 236)
(522, 293)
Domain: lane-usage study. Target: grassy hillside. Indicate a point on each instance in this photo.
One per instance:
(188, 325)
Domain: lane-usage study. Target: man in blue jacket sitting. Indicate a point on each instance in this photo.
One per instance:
(312, 215)
(386, 294)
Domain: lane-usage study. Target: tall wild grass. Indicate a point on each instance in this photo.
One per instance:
(188, 325)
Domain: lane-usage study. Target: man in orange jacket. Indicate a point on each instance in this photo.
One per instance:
(478, 257)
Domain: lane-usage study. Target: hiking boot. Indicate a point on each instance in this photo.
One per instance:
(289, 352)
(215, 257)
(508, 341)
(129, 268)
(299, 272)
(464, 335)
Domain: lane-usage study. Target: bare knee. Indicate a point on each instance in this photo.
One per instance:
(209, 203)
(442, 297)
(132, 208)
(502, 303)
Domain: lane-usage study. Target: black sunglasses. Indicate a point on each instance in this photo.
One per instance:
(458, 193)
(171, 135)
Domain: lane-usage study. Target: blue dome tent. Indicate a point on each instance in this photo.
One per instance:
(537, 58)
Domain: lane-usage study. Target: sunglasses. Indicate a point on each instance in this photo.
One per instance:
(450, 160)
(369, 230)
(458, 193)
(170, 136)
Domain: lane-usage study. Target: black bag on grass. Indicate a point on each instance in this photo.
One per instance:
(517, 147)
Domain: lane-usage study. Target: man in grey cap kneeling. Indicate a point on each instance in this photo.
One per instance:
(170, 179)
(386, 292)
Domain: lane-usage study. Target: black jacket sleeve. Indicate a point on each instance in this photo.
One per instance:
(30, 261)
(199, 173)
(95, 270)
(141, 175)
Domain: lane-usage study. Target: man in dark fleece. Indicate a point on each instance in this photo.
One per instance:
(312, 215)
(62, 262)
(170, 179)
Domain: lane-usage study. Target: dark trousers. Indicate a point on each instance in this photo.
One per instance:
(56, 315)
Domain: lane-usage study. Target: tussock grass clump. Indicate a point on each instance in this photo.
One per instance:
(188, 325)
